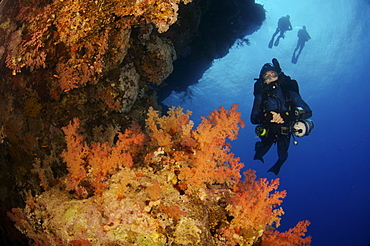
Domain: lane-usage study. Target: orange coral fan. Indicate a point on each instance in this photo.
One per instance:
(213, 160)
(253, 208)
(221, 124)
(83, 30)
(203, 153)
(166, 129)
(95, 162)
(75, 154)
(293, 236)
(30, 51)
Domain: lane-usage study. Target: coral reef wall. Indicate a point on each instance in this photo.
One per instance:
(102, 62)
(96, 60)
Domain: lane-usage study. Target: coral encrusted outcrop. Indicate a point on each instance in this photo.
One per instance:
(123, 176)
(167, 185)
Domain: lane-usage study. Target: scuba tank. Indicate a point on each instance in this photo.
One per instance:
(276, 65)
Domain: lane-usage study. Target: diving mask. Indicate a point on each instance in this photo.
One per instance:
(270, 76)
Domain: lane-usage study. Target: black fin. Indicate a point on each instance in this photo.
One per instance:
(275, 168)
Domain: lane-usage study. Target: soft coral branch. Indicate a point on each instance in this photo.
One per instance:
(95, 162)
(213, 160)
(254, 208)
(202, 155)
(293, 237)
(75, 154)
(220, 125)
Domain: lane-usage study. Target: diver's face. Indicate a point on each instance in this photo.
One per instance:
(270, 76)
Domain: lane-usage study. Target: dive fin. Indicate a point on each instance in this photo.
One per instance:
(275, 168)
(258, 158)
(294, 59)
(271, 43)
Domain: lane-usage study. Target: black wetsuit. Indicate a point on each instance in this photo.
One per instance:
(281, 97)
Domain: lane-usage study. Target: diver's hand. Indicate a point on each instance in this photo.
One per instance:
(276, 118)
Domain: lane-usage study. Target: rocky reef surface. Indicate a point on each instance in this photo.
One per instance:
(122, 176)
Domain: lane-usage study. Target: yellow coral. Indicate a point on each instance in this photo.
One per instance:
(32, 107)
(187, 232)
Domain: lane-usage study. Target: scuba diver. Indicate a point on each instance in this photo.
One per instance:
(303, 37)
(283, 26)
(279, 111)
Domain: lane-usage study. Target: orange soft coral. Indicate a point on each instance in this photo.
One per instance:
(75, 154)
(202, 155)
(254, 208)
(213, 160)
(166, 130)
(221, 124)
(95, 162)
(82, 33)
(292, 237)
(175, 177)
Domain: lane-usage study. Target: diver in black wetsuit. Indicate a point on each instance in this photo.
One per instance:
(303, 37)
(283, 26)
(279, 111)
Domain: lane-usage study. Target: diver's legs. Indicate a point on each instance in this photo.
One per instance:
(294, 57)
(283, 146)
(273, 37)
(300, 49)
(277, 41)
(281, 35)
(262, 148)
(276, 32)
(297, 47)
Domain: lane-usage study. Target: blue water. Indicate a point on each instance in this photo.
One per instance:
(327, 176)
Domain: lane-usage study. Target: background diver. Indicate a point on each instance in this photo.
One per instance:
(279, 111)
(283, 26)
(303, 37)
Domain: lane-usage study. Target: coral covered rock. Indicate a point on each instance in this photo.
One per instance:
(97, 181)
(139, 190)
